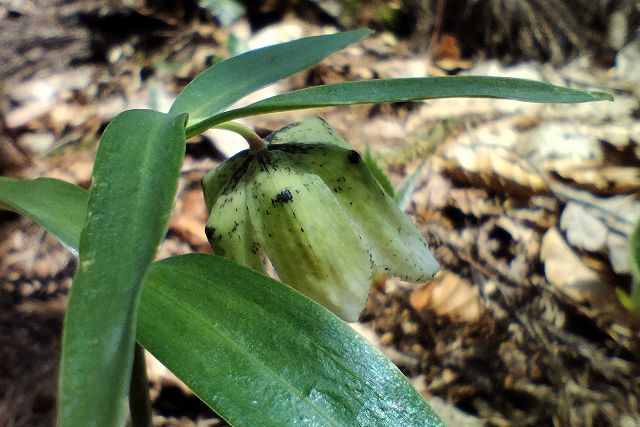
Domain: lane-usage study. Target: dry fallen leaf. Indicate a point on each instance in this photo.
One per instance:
(448, 295)
(568, 274)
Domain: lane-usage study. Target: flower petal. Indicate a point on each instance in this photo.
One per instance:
(397, 246)
(306, 234)
(229, 228)
(222, 178)
(313, 130)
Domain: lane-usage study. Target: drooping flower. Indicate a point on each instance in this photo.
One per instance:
(317, 213)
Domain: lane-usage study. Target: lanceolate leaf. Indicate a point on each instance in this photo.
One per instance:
(59, 207)
(253, 349)
(223, 84)
(403, 195)
(395, 90)
(261, 354)
(134, 184)
(632, 300)
(635, 254)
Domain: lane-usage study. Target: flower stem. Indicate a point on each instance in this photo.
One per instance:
(255, 142)
(139, 403)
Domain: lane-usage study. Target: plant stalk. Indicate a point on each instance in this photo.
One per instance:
(255, 142)
(139, 403)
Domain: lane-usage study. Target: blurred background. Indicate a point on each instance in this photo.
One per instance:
(527, 207)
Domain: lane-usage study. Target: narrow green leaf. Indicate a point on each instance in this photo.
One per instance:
(223, 84)
(134, 184)
(262, 354)
(58, 206)
(632, 300)
(635, 254)
(403, 195)
(140, 411)
(408, 89)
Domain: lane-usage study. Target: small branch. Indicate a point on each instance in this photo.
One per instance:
(255, 142)
(139, 403)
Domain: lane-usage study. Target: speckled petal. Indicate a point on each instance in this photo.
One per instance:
(307, 235)
(229, 228)
(313, 130)
(396, 244)
(220, 179)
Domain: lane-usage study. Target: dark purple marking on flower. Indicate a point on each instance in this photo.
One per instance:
(240, 163)
(209, 232)
(265, 161)
(273, 135)
(293, 147)
(354, 157)
(282, 198)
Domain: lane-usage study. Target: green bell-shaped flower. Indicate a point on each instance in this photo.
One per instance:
(317, 213)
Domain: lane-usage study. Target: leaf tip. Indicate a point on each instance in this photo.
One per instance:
(601, 96)
(363, 32)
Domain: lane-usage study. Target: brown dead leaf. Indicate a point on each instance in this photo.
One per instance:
(189, 218)
(448, 295)
(584, 230)
(606, 180)
(498, 168)
(569, 275)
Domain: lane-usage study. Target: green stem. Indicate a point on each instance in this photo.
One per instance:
(255, 142)
(139, 403)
